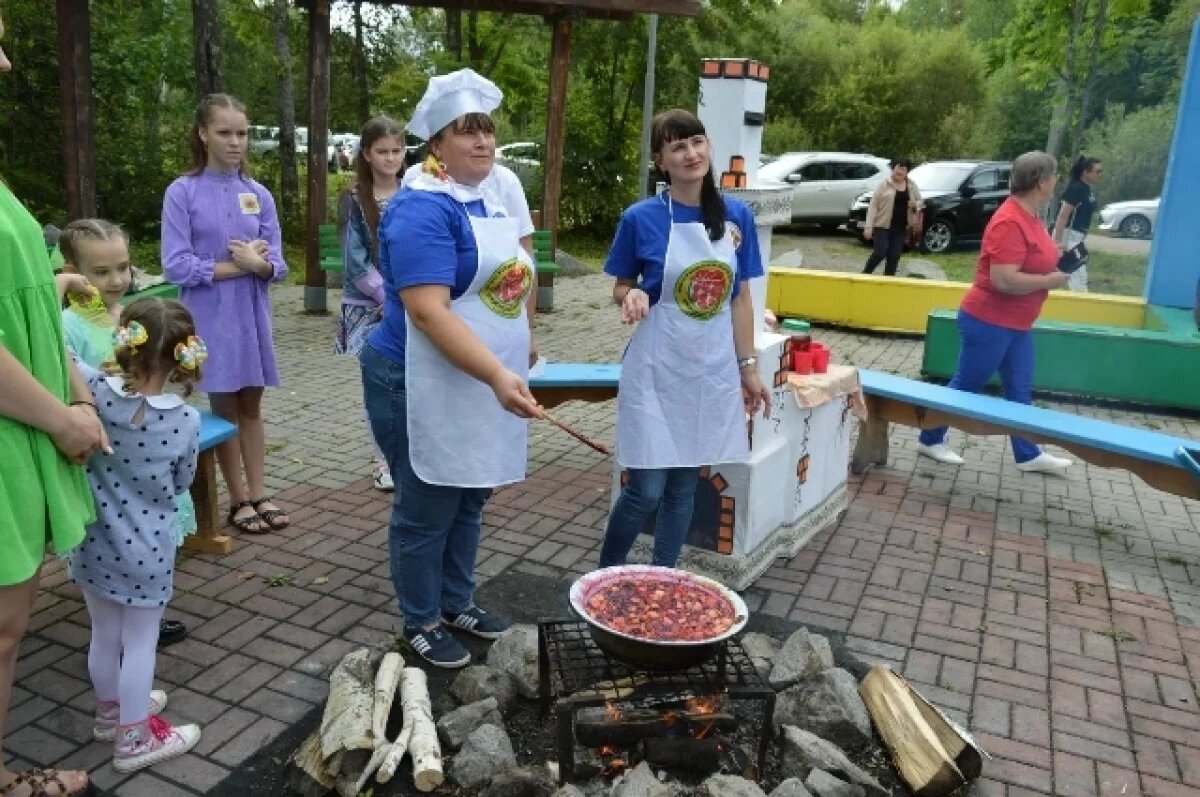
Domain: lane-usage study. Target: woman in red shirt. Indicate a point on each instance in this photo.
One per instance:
(1018, 266)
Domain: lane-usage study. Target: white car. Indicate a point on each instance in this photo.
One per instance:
(823, 183)
(1133, 219)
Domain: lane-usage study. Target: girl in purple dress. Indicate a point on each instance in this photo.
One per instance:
(221, 245)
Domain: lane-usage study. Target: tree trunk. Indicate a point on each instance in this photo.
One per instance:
(1064, 94)
(289, 178)
(454, 41)
(206, 29)
(1085, 101)
(474, 46)
(360, 66)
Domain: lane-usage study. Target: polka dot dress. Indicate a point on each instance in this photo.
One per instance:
(128, 555)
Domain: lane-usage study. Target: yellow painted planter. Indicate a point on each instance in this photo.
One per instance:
(893, 304)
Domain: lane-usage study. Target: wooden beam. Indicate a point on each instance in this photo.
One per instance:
(556, 124)
(1168, 478)
(318, 126)
(598, 9)
(75, 99)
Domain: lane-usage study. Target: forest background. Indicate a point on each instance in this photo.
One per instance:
(922, 78)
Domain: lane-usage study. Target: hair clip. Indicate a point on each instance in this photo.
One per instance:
(435, 167)
(191, 353)
(132, 336)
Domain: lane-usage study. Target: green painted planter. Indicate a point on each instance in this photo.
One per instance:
(1158, 365)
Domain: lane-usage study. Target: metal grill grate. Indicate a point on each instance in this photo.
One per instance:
(575, 673)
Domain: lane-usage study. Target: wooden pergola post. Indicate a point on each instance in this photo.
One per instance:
(318, 124)
(556, 123)
(75, 96)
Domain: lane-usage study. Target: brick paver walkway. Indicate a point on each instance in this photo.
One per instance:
(1055, 617)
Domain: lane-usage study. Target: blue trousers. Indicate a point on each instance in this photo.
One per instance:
(433, 536)
(986, 349)
(672, 492)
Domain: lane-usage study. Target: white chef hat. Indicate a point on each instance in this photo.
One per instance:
(450, 96)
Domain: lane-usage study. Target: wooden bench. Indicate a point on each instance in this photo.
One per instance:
(543, 258)
(208, 537)
(1162, 461)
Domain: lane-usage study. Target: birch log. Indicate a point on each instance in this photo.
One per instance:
(346, 723)
(386, 681)
(418, 735)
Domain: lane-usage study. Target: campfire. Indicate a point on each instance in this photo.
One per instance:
(712, 717)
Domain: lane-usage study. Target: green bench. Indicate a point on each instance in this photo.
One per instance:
(329, 248)
(543, 258)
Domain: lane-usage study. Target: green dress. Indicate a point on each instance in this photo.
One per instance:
(43, 497)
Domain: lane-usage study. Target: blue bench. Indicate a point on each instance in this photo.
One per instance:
(208, 537)
(1162, 461)
(560, 382)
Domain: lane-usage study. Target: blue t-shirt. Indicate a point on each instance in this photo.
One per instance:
(639, 249)
(425, 238)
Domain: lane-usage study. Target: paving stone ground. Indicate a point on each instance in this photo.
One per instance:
(1056, 618)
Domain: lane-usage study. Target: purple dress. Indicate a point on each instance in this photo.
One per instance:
(201, 215)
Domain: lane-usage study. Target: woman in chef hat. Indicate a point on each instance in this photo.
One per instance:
(444, 373)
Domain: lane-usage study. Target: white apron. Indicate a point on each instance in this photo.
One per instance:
(680, 398)
(458, 434)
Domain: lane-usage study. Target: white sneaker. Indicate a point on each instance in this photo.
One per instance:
(1045, 463)
(383, 481)
(152, 742)
(940, 452)
(108, 716)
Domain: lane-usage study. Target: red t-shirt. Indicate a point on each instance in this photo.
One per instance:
(1013, 237)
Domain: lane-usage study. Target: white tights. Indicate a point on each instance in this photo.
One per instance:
(121, 656)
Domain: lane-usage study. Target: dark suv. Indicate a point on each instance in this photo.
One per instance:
(960, 198)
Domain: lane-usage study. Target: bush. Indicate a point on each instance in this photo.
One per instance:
(1134, 148)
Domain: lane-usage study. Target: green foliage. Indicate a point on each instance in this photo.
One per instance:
(1134, 148)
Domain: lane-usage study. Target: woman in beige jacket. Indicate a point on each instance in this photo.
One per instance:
(892, 212)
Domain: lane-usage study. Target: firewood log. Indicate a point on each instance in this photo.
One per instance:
(418, 735)
(918, 750)
(346, 723)
(307, 775)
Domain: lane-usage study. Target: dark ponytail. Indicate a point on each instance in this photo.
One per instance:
(1082, 164)
(677, 124)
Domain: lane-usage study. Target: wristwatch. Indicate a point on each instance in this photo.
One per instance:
(746, 362)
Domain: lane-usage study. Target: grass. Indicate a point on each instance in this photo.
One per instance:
(1121, 275)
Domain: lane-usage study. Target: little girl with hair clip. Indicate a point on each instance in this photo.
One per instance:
(126, 562)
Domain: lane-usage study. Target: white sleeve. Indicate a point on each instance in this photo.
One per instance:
(512, 195)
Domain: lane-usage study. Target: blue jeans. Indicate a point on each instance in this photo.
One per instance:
(434, 531)
(672, 492)
(987, 348)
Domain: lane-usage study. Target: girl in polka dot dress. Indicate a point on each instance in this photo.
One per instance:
(126, 562)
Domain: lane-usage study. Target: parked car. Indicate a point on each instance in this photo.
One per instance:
(1133, 219)
(823, 183)
(524, 158)
(960, 198)
(263, 139)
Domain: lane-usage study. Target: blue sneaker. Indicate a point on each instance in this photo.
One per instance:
(478, 622)
(437, 647)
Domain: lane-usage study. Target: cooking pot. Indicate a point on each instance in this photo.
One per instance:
(646, 653)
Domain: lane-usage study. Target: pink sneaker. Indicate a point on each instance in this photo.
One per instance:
(152, 742)
(108, 715)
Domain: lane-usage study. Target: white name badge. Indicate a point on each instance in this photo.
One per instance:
(249, 204)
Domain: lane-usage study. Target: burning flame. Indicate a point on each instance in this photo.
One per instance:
(708, 704)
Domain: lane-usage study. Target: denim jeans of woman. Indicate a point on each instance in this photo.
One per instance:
(434, 531)
(886, 245)
(672, 492)
(986, 349)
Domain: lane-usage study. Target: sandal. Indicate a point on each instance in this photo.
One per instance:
(37, 780)
(270, 515)
(250, 524)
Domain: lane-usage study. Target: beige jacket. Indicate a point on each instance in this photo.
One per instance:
(879, 213)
